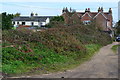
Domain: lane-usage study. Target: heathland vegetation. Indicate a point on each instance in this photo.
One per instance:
(54, 49)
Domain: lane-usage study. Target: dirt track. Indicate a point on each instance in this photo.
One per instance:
(102, 65)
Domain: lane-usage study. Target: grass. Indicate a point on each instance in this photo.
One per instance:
(92, 49)
(115, 48)
(16, 62)
(50, 62)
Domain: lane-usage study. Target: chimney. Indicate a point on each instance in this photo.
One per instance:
(66, 10)
(110, 10)
(88, 9)
(70, 9)
(63, 10)
(99, 9)
(32, 14)
(102, 9)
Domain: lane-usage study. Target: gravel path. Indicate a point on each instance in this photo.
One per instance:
(104, 64)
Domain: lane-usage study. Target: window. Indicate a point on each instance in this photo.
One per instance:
(23, 23)
(32, 23)
(13, 23)
(17, 22)
(41, 23)
(87, 22)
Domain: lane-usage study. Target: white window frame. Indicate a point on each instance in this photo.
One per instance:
(86, 22)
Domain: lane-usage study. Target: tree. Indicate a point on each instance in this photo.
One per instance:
(118, 28)
(119, 23)
(0, 26)
(57, 19)
(17, 15)
(6, 20)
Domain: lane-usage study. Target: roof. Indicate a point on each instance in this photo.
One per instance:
(88, 14)
(93, 14)
(33, 18)
(101, 14)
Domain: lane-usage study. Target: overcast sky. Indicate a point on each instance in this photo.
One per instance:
(54, 7)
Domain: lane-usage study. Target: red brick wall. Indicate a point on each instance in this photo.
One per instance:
(66, 18)
(75, 18)
(111, 19)
(101, 22)
(85, 17)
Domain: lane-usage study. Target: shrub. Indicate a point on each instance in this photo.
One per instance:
(61, 45)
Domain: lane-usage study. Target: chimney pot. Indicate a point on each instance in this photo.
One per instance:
(88, 9)
(99, 9)
(32, 14)
(102, 9)
(110, 10)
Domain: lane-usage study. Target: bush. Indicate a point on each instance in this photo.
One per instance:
(6, 20)
(57, 19)
(55, 22)
(62, 45)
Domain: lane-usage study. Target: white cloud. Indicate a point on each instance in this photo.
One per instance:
(59, 0)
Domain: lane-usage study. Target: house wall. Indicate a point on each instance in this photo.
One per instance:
(75, 18)
(108, 24)
(36, 23)
(29, 23)
(110, 19)
(86, 17)
(101, 22)
(43, 23)
(66, 18)
(20, 22)
(47, 20)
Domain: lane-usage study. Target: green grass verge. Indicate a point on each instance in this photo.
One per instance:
(115, 48)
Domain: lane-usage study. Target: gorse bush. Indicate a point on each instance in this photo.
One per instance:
(64, 45)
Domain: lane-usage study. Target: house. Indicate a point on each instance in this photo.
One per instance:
(31, 21)
(102, 19)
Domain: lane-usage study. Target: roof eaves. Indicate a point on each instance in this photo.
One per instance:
(88, 14)
(100, 13)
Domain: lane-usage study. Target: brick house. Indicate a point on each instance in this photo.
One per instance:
(102, 19)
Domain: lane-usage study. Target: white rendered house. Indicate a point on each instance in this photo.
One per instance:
(31, 21)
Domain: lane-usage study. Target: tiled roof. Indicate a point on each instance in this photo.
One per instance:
(93, 14)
